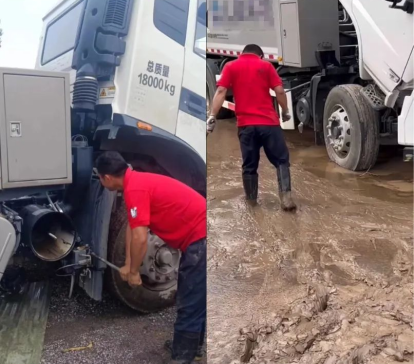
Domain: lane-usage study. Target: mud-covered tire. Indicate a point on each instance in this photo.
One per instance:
(141, 299)
(364, 129)
(212, 71)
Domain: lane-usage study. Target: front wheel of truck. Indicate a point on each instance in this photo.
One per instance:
(159, 270)
(351, 128)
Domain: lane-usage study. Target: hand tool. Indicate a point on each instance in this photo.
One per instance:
(109, 264)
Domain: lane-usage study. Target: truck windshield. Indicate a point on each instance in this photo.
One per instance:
(61, 34)
(200, 38)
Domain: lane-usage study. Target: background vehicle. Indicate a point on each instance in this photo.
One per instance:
(132, 84)
(347, 67)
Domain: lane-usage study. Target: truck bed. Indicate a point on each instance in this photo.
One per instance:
(233, 24)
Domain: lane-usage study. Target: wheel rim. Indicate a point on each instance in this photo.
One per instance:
(339, 131)
(159, 270)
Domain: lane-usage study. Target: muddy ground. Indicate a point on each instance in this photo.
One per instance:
(331, 284)
(117, 334)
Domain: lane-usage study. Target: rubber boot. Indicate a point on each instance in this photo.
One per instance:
(184, 347)
(200, 351)
(285, 194)
(251, 186)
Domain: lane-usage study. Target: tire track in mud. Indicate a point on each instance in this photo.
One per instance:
(266, 266)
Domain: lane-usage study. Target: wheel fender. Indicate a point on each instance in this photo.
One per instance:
(92, 224)
(317, 106)
(163, 151)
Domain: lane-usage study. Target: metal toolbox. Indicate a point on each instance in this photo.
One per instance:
(35, 134)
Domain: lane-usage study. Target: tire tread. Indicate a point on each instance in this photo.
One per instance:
(369, 128)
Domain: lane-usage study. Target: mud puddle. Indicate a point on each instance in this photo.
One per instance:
(331, 284)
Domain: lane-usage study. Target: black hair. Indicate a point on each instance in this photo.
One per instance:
(255, 49)
(111, 163)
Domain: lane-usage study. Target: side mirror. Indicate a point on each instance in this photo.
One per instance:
(408, 5)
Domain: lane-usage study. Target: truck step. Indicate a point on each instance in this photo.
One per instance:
(374, 96)
(23, 319)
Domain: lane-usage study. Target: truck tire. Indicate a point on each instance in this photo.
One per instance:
(144, 299)
(351, 128)
(212, 71)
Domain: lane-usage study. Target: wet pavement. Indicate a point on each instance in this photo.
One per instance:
(331, 284)
(115, 333)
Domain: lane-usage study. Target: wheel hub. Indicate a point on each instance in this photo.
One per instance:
(339, 131)
(160, 267)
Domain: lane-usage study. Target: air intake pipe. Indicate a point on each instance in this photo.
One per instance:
(98, 48)
(51, 235)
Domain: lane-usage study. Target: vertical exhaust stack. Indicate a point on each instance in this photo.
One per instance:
(98, 48)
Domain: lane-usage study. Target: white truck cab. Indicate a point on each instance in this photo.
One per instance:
(161, 55)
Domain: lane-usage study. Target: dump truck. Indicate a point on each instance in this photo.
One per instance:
(111, 75)
(347, 68)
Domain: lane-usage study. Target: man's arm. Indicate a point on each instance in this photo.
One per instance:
(139, 212)
(282, 99)
(124, 271)
(138, 247)
(218, 100)
(276, 84)
(128, 246)
(223, 84)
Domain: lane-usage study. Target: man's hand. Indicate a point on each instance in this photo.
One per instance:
(211, 124)
(124, 272)
(134, 279)
(286, 116)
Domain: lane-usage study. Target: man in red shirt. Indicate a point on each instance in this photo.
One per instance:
(177, 214)
(251, 78)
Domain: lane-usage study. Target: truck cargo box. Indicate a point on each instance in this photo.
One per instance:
(289, 31)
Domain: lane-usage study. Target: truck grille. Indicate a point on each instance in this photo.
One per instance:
(116, 13)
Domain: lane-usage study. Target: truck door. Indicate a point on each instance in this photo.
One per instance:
(387, 40)
(149, 78)
(191, 123)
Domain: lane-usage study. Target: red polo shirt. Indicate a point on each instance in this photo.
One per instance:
(172, 210)
(251, 78)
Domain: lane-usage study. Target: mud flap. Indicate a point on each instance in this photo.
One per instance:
(23, 321)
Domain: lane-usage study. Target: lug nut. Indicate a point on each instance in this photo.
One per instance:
(151, 269)
(157, 278)
(168, 278)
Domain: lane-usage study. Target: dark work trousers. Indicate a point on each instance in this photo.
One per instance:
(253, 138)
(190, 326)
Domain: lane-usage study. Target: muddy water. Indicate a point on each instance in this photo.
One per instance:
(331, 284)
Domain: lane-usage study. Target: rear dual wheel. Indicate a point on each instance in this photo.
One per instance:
(159, 271)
